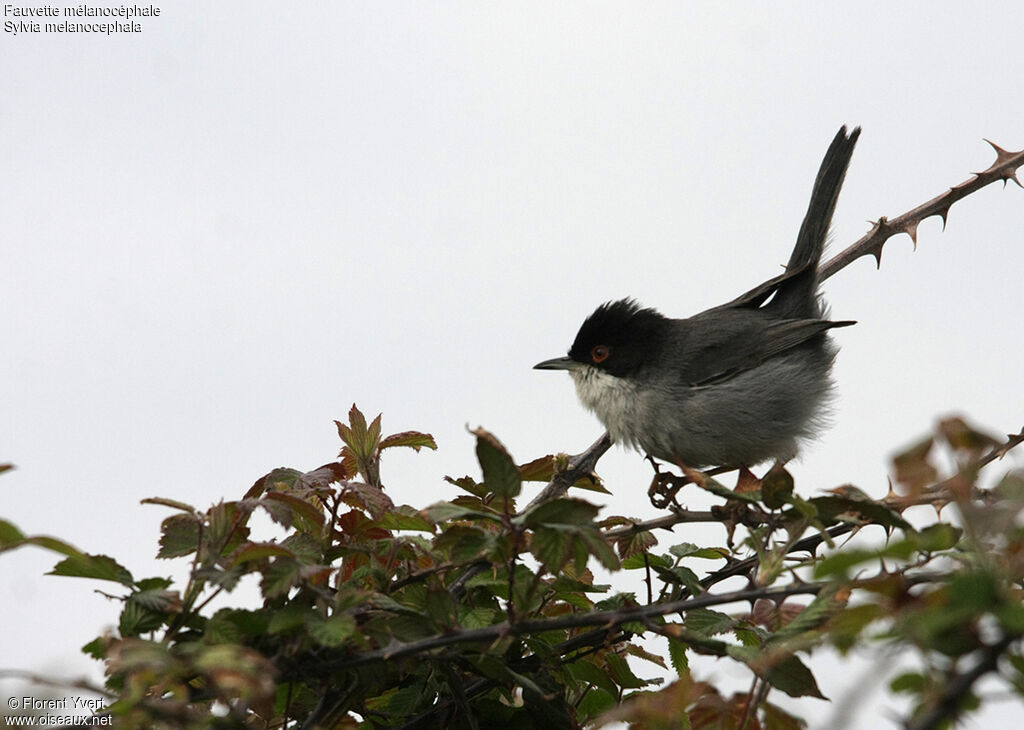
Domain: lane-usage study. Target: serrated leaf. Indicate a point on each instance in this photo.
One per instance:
(705, 622)
(563, 511)
(477, 618)
(158, 599)
(552, 547)
(839, 564)
(677, 655)
(307, 517)
(100, 567)
(635, 543)
(589, 672)
(397, 703)
(794, 678)
(442, 512)
(404, 517)
(333, 631)
(289, 618)
(469, 484)
(463, 542)
(639, 651)
(254, 551)
(500, 473)
(833, 506)
(279, 577)
(367, 497)
(646, 560)
(412, 439)
(621, 673)
(689, 550)
(136, 619)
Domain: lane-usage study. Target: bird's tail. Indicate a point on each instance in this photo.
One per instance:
(797, 295)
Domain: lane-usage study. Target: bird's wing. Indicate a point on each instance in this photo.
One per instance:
(741, 342)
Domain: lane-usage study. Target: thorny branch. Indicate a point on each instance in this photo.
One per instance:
(949, 702)
(1004, 168)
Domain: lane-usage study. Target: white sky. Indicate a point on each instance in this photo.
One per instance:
(220, 232)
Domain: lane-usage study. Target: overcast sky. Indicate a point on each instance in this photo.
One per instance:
(220, 232)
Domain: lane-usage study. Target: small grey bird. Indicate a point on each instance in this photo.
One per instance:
(733, 386)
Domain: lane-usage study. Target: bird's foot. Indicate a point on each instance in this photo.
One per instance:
(665, 485)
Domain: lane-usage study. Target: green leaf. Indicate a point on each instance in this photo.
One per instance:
(100, 567)
(158, 599)
(563, 511)
(477, 618)
(462, 542)
(909, 683)
(441, 608)
(179, 536)
(552, 547)
(404, 517)
(333, 631)
(137, 619)
(397, 703)
(357, 436)
(832, 506)
(794, 678)
(412, 439)
(500, 473)
(290, 617)
(586, 671)
(442, 512)
(468, 484)
(689, 550)
(937, 537)
(279, 578)
(255, 551)
(10, 536)
(839, 564)
(622, 674)
(308, 518)
(814, 615)
(677, 655)
(705, 622)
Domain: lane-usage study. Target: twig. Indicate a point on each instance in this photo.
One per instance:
(580, 465)
(1004, 168)
(609, 619)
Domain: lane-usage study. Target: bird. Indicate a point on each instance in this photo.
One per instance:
(734, 386)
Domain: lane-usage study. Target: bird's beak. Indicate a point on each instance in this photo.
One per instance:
(557, 363)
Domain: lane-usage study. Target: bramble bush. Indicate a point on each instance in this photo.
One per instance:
(479, 613)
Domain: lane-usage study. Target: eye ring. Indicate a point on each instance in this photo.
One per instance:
(600, 353)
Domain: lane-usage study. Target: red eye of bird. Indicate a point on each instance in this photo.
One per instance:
(600, 353)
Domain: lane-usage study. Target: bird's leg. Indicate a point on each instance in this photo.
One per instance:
(665, 485)
(694, 475)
